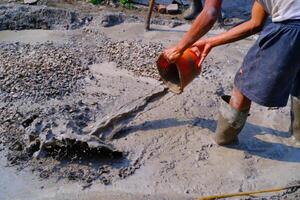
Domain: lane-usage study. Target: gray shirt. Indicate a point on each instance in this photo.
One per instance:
(281, 10)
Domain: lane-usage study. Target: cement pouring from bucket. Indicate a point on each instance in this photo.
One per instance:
(178, 75)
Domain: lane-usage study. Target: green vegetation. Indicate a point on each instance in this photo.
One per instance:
(95, 2)
(126, 4)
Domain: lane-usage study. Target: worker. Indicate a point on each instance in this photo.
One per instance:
(270, 71)
(194, 9)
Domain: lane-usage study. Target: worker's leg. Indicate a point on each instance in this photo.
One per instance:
(239, 101)
(194, 9)
(295, 108)
(233, 114)
(295, 116)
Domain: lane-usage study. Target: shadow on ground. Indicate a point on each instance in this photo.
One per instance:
(166, 30)
(248, 141)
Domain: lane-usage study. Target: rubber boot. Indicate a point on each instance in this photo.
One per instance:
(194, 9)
(295, 117)
(230, 123)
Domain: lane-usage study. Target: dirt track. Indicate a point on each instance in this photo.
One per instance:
(57, 86)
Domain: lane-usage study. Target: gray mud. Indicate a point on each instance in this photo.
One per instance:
(50, 120)
(40, 36)
(85, 111)
(53, 94)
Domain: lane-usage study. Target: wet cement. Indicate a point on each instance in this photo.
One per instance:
(34, 36)
(171, 151)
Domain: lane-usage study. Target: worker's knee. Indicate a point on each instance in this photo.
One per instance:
(239, 101)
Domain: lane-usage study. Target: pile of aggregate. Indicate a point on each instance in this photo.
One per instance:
(43, 71)
(20, 17)
(134, 55)
(33, 76)
(38, 71)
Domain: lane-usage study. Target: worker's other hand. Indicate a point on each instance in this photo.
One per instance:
(201, 48)
(172, 54)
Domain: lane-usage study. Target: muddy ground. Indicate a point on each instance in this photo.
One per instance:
(83, 114)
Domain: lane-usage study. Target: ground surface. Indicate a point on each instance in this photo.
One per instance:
(57, 85)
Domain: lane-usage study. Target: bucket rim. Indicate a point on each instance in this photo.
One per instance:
(175, 88)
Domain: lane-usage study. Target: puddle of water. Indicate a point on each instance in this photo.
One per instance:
(33, 36)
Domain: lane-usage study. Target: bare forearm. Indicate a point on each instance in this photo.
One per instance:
(244, 30)
(200, 27)
(238, 33)
(202, 24)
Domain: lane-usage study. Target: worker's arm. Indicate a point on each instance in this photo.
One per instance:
(200, 27)
(239, 32)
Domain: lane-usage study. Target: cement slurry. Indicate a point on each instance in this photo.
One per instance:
(33, 36)
(174, 135)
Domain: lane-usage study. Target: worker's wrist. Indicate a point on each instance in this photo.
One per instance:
(213, 42)
(179, 49)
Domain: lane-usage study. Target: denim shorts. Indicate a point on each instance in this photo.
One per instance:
(271, 68)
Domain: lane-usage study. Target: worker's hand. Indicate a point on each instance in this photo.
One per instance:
(172, 54)
(201, 48)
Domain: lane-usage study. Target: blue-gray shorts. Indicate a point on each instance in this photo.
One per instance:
(271, 69)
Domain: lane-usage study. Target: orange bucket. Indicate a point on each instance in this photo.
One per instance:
(178, 75)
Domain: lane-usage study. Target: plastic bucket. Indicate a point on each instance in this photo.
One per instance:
(178, 75)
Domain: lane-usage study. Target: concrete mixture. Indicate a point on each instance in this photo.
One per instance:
(83, 114)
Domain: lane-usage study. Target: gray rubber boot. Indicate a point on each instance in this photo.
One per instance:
(230, 123)
(194, 9)
(295, 116)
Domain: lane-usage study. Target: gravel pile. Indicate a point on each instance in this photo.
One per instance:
(50, 70)
(43, 71)
(135, 56)
(34, 75)
(39, 71)
(19, 17)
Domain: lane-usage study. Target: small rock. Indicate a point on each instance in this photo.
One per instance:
(162, 9)
(29, 120)
(30, 2)
(172, 9)
(18, 146)
(87, 185)
(173, 24)
(39, 154)
(187, 191)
